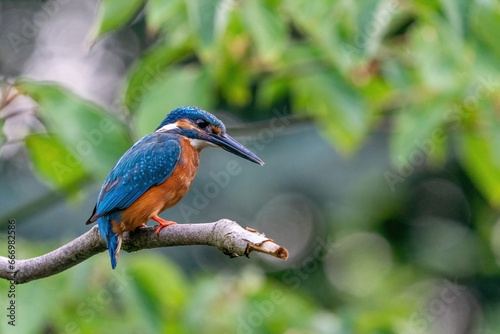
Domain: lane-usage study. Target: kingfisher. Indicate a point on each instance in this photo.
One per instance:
(156, 172)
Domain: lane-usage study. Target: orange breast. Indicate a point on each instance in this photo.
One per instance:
(163, 196)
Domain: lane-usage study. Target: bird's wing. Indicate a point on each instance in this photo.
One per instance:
(148, 163)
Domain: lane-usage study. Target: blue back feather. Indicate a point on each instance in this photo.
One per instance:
(147, 163)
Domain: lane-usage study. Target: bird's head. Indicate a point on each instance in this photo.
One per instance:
(204, 129)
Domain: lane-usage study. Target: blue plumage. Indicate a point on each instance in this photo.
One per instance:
(148, 163)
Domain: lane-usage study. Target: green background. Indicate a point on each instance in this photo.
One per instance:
(378, 122)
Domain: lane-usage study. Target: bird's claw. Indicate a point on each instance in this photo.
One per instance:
(162, 223)
(161, 226)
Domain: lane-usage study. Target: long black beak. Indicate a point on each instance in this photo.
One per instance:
(230, 144)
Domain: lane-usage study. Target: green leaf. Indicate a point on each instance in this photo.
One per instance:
(202, 15)
(485, 23)
(480, 159)
(188, 85)
(54, 162)
(230, 67)
(160, 12)
(419, 131)
(158, 304)
(271, 91)
(267, 29)
(149, 72)
(94, 136)
(113, 14)
(372, 21)
(337, 107)
(234, 82)
(438, 52)
(147, 272)
(343, 31)
(457, 12)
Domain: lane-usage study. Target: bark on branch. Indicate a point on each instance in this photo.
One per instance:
(224, 234)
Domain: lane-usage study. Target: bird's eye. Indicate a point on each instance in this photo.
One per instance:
(201, 123)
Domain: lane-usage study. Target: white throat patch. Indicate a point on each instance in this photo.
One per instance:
(201, 144)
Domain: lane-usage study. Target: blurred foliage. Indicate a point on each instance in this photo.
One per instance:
(428, 70)
(428, 66)
(154, 296)
(96, 137)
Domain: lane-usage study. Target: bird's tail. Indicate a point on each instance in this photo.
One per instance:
(113, 240)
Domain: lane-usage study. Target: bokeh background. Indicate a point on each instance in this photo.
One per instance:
(378, 122)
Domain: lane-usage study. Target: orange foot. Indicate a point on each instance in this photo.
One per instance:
(163, 223)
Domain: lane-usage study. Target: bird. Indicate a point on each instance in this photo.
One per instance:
(156, 172)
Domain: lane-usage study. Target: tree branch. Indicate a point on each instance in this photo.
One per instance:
(224, 234)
